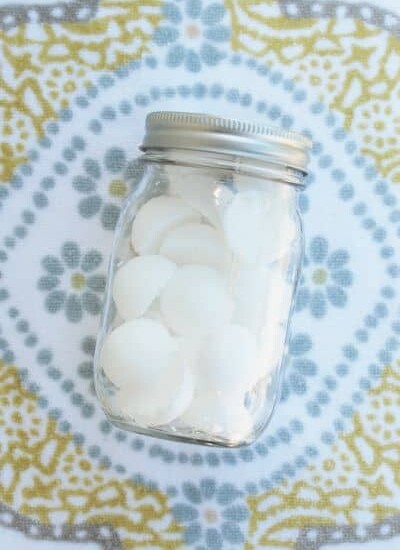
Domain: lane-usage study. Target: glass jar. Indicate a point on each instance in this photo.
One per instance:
(201, 281)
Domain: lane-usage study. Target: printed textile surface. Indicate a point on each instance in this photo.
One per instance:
(77, 78)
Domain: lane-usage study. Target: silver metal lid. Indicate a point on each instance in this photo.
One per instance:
(196, 131)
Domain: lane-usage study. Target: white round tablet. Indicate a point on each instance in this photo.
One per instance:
(139, 282)
(196, 243)
(196, 188)
(219, 416)
(195, 301)
(279, 220)
(250, 287)
(155, 218)
(188, 350)
(136, 353)
(281, 229)
(154, 312)
(244, 225)
(169, 396)
(228, 361)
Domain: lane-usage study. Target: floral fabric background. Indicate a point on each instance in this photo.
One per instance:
(77, 78)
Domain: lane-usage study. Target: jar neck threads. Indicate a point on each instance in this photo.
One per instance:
(233, 163)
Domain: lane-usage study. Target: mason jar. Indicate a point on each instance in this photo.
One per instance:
(201, 280)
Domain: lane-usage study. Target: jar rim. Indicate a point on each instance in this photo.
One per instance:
(205, 132)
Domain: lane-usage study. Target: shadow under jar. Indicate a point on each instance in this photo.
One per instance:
(201, 282)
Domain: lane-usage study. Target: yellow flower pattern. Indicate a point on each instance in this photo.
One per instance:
(49, 478)
(42, 71)
(361, 82)
(325, 495)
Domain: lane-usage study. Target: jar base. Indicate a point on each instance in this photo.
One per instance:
(162, 433)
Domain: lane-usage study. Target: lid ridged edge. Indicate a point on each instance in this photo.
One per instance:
(229, 125)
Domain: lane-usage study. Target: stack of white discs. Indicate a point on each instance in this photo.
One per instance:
(193, 302)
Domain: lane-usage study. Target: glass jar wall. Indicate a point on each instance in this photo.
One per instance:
(202, 276)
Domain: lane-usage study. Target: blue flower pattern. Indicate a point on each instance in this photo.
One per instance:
(325, 278)
(300, 367)
(89, 185)
(201, 24)
(214, 516)
(72, 282)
